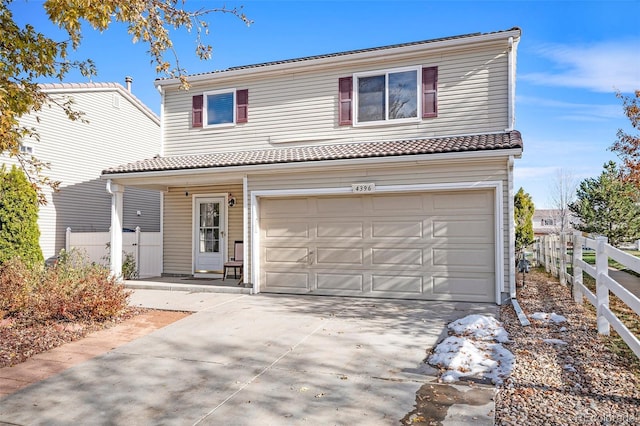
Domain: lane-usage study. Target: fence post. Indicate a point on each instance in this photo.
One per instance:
(577, 271)
(545, 248)
(67, 243)
(137, 251)
(562, 253)
(602, 292)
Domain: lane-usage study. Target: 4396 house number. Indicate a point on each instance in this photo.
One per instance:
(363, 187)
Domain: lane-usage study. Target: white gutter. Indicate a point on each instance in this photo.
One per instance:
(276, 167)
(335, 58)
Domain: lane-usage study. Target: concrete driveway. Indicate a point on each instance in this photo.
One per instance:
(260, 360)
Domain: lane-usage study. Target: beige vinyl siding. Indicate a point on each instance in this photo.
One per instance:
(78, 152)
(395, 174)
(178, 225)
(301, 108)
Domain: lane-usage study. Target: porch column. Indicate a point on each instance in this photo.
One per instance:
(117, 197)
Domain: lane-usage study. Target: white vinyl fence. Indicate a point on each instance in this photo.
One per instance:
(145, 247)
(556, 252)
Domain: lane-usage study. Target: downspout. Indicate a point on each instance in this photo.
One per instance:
(117, 195)
(161, 91)
(524, 321)
(512, 230)
(512, 54)
(161, 153)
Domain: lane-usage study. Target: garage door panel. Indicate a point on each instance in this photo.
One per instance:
(391, 203)
(462, 229)
(474, 258)
(287, 280)
(280, 255)
(470, 287)
(279, 207)
(343, 282)
(397, 257)
(340, 256)
(396, 229)
(345, 207)
(340, 230)
(462, 203)
(286, 229)
(396, 284)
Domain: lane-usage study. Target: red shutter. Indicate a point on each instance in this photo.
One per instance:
(242, 106)
(429, 92)
(345, 95)
(196, 111)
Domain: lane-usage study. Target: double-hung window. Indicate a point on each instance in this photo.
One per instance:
(392, 95)
(219, 108)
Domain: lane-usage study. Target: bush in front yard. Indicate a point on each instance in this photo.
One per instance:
(71, 290)
(19, 232)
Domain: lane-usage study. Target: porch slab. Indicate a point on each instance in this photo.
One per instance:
(189, 284)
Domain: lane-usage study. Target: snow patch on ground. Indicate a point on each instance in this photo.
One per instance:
(553, 317)
(475, 349)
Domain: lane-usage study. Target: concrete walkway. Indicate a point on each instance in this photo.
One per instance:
(268, 360)
(626, 280)
(47, 364)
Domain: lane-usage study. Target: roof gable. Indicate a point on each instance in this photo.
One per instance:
(68, 88)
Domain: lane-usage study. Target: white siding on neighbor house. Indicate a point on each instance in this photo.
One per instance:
(437, 172)
(178, 224)
(301, 107)
(117, 132)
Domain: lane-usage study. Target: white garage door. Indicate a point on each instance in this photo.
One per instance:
(434, 246)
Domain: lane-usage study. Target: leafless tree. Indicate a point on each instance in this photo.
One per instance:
(562, 193)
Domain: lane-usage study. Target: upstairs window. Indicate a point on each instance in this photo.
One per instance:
(396, 95)
(390, 96)
(26, 149)
(220, 108)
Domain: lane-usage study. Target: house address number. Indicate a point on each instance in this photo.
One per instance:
(363, 187)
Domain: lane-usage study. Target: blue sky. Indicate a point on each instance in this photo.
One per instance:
(572, 57)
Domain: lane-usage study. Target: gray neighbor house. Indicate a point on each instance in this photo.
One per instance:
(380, 172)
(78, 152)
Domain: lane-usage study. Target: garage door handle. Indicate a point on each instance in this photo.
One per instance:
(307, 259)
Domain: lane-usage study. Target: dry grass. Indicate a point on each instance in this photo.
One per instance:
(44, 308)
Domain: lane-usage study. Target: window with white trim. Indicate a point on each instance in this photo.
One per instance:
(219, 108)
(391, 95)
(26, 149)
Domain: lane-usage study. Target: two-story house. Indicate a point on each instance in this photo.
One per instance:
(550, 221)
(381, 172)
(116, 127)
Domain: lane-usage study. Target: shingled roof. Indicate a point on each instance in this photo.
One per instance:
(162, 80)
(454, 144)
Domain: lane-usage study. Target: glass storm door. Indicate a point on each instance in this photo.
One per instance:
(209, 235)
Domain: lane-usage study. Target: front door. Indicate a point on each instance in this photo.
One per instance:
(208, 235)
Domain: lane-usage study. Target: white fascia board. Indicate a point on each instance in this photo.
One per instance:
(335, 58)
(307, 165)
